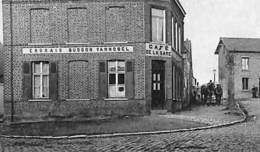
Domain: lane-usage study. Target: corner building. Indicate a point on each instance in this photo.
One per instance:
(89, 57)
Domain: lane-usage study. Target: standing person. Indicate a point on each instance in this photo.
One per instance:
(211, 88)
(204, 94)
(218, 94)
(254, 91)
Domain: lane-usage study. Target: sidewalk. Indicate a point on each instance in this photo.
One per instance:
(211, 115)
(200, 116)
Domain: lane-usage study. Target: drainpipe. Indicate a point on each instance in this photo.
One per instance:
(11, 79)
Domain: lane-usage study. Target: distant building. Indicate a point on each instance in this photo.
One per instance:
(79, 57)
(246, 53)
(188, 71)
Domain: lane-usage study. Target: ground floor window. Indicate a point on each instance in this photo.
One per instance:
(40, 80)
(116, 79)
(245, 83)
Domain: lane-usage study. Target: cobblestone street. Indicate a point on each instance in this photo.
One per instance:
(241, 137)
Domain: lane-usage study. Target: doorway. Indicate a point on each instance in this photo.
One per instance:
(158, 86)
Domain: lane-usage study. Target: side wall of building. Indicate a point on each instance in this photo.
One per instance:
(222, 68)
(253, 74)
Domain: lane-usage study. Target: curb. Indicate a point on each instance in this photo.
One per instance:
(135, 133)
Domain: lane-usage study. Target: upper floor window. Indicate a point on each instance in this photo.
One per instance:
(176, 36)
(158, 25)
(180, 39)
(173, 34)
(245, 63)
(115, 24)
(40, 22)
(78, 31)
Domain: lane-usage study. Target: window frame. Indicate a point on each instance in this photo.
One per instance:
(245, 67)
(246, 86)
(164, 24)
(173, 32)
(176, 36)
(41, 74)
(117, 73)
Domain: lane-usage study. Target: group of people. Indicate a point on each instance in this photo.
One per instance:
(208, 91)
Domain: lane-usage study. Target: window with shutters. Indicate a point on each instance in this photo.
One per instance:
(40, 79)
(116, 79)
(158, 25)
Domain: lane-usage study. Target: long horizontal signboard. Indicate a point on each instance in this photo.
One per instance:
(161, 50)
(78, 50)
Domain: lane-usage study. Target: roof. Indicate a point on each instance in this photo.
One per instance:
(240, 44)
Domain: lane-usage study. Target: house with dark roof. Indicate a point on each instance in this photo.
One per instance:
(245, 53)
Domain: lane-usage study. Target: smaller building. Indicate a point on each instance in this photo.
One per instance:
(188, 72)
(245, 53)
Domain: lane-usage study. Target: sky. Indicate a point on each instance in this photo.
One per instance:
(205, 22)
(208, 20)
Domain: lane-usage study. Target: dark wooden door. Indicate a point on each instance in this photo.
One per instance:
(158, 89)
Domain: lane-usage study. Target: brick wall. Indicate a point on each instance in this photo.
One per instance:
(94, 30)
(253, 74)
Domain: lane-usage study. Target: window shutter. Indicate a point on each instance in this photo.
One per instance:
(130, 79)
(103, 86)
(27, 80)
(53, 81)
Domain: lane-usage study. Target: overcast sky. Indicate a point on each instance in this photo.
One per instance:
(208, 20)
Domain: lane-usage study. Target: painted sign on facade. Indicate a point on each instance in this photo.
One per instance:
(162, 50)
(116, 49)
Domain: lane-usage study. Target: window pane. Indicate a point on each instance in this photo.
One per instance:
(112, 91)
(159, 86)
(120, 91)
(154, 29)
(157, 12)
(121, 78)
(112, 78)
(45, 68)
(121, 66)
(45, 86)
(37, 87)
(112, 66)
(37, 67)
(160, 30)
(154, 86)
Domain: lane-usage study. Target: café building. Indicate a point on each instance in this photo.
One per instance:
(84, 58)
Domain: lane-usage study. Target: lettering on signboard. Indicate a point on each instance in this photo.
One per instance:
(158, 50)
(78, 50)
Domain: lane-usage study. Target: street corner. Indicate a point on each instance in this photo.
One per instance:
(210, 115)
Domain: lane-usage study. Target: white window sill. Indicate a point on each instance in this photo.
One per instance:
(39, 44)
(245, 90)
(159, 43)
(74, 43)
(77, 99)
(115, 99)
(117, 42)
(39, 100)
